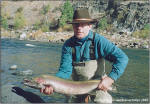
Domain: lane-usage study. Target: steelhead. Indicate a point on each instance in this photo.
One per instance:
(63, 86)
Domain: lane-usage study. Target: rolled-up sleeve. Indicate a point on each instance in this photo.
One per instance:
(65, 69)
(115, 55)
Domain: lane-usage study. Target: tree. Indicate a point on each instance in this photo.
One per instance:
(102, 25)
(19, 21)
(4, 22)
(67, 13)
(44, 25)
(45, 9)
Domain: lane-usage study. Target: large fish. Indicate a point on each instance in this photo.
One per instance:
(63, 86)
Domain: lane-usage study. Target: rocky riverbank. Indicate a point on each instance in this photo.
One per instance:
(125, 20)
(119, 39)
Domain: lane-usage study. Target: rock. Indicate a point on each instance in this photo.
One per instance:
(26, 72)
(1, 71)
(135, 44)
(23, 73)
(13, 67)
(30, 45)
(23, 36)
(145, 46)
(103, 97)
(134, 16)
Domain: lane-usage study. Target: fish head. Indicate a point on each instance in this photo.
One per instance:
(33, 84)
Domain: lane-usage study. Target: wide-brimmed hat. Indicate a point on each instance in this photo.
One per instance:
(81, 16)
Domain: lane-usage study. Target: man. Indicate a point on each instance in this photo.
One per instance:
(82, 55)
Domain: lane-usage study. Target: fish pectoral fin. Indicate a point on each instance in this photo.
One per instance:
(87, 98)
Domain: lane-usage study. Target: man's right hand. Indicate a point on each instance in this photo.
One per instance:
(47, 90)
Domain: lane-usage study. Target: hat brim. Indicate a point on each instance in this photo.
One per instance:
(92, 21)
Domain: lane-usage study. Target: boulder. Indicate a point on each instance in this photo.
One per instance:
(23, 73)
(13, 67)
(23, 36)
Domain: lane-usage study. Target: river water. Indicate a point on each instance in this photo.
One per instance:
(44, 58)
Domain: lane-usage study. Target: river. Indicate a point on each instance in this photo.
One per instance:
(44, 58)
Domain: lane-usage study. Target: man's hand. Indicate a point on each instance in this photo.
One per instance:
(47, 89)
(105, 83)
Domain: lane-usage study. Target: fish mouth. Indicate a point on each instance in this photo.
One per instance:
(29, 82)
(26, 80)
(32, 84)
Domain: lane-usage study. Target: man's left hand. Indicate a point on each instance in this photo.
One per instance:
(105, 83)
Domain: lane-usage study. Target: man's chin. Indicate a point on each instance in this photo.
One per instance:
(80, 36)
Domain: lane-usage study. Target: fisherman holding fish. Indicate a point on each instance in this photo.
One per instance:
(83, 57)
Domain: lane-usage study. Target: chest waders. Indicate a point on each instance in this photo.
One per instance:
(87, 70)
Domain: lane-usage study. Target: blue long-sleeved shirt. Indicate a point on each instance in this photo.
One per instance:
(103, 49)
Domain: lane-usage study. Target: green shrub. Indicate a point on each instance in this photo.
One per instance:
(110, 28)
(147, 27)
(45, 9)
(144, 33)
(45, 28)
(67, 13)
(4, 22)
(20, 9)
(41, 25)
(19, 20)
(121, 15)
(102, 25)
(37, 25)
(63, 20)
(67, 27)
(5, 16)
(44, 23)
(56, 9)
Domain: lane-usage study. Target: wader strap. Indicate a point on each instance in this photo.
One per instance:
(73, 54)
(104, 72)
(78, 63)
(92, 51)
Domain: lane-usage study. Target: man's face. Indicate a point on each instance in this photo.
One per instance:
(81, 29)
